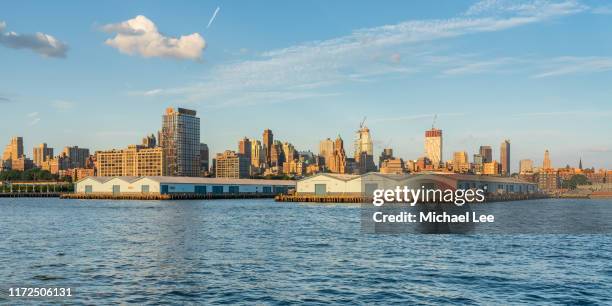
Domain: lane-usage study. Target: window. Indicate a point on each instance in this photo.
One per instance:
(233, 189)
(116, 189)
(88, 189)
(267, 189)
(164, 189)
(144, 188)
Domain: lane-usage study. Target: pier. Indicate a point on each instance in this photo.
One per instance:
(158, 196)
(309, 198)
(30, 194)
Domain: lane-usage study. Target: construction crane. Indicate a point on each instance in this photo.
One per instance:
(434, 121)
(362, 124)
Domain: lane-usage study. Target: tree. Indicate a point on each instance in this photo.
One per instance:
(575, 180)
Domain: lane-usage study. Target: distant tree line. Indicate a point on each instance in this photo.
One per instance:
(575, 180)
(34, 174)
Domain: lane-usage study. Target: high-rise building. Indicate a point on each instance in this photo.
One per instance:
(257, 156)
(487, 154)
(433, 146)
(14, 150)
(387, 153)
(244, 147)
(326, 150)
(149, 141)
(181, 142)
(478, 164)
(78, 156)
(504, 156)
(460, 162)
(268, 140)
(289, 152)
(41, 153)
(546, 164)
(277, 157)
(133, 161)
(364, 150)
(230, 164)
(339, 160)
(525, 166)
(204, 158)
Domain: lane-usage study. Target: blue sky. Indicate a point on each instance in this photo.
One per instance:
(535, 72)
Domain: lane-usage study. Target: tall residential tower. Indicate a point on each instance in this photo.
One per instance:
(181, 142)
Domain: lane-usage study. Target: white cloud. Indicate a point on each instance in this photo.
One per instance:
(358, 56)
(41, 43)
(140, 36)
(62, 105)
(33, 118)
(574, 65)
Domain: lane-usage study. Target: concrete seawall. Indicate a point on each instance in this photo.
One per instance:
(157, 196)
(365, 199)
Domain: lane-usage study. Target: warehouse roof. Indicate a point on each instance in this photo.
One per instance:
(191, 180)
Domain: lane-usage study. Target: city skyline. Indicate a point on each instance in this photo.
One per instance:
(491, 71)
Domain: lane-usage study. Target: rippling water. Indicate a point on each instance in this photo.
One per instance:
(262, 252)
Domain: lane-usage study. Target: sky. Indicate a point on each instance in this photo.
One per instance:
(99, 75)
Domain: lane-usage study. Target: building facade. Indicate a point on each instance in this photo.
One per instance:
(133, 161)
(181, 142)
(230, 164)
(433, 146)
(41, 153)
(504, 157)
(460, 162)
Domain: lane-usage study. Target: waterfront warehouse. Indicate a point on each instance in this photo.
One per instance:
(119, 185)
(364, 185)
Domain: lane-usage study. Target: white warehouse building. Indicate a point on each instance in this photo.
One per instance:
(176, 185)
(358, 185)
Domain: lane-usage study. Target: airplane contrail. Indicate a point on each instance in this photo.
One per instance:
(213, 17)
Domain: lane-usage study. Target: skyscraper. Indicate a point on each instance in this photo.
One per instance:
(504, 156)
(546, 164)
(268, 140)
(181, 142)
(244, 147)
(41, 153)
(78, 156)
(433, 146)
(387, 153)
(204, 158)
(257, 158)
(478, 164)
(338, 164)
(14, 150)
(364, 150)
(487, 154)
(326, 150)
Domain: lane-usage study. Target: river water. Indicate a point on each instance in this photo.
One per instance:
(262, 252)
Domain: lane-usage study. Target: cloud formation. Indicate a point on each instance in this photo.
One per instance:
(41, 43)
(386, 50)
(140, 36)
